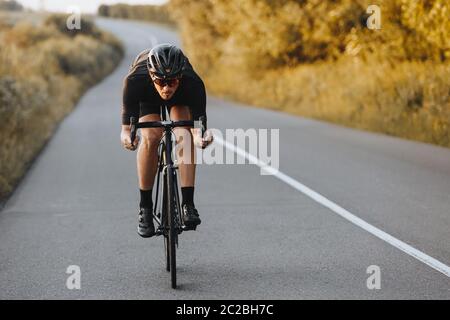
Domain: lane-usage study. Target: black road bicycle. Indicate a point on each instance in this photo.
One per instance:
(168, 216)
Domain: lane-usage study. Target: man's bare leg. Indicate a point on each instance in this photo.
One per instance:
(186, 165)
(147, 164)
(147, 155)
(184, 141)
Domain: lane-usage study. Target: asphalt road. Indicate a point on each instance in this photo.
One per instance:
(259, 239)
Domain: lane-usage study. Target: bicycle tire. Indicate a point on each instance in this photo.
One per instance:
(173, 232)
(164, 223)
(166, 235)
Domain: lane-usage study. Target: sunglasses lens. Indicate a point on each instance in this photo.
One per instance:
(159, 82)
(172, 82)
(164, 82)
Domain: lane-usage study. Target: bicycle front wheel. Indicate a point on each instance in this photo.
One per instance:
(173, 232)
(164, 222)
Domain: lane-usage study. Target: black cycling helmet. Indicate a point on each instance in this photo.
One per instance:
(166, 61)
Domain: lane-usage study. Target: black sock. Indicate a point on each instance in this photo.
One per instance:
(146, 199)
(188, 195)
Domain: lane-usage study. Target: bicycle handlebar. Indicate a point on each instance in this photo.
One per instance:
(168, 124)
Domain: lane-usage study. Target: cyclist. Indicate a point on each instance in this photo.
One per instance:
(161, 76)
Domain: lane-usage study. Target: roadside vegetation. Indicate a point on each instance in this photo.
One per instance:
(154, 13)
(44, 70)
(10, 5)
(318, 59)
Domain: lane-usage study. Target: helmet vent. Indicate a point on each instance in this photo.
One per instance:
(166, 60)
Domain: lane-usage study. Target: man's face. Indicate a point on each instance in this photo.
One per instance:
(167, 87)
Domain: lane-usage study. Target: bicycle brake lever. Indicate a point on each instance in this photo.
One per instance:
(203, 121)
(133, 129)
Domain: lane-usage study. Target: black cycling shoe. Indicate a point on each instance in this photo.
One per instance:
(191, 218)
(146, 229)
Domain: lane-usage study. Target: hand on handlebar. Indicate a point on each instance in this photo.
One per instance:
(126, 140)
(203, 142)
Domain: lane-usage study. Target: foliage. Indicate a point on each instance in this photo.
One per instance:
(154, 13)
(43, 72)
(318, 58)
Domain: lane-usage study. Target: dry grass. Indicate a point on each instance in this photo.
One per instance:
(43, 72)
(410, 100)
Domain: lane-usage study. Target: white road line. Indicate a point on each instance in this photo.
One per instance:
(413, 252)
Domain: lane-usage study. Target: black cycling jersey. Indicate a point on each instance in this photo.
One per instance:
(141, 98)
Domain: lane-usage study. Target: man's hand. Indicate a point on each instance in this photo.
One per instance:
(126, 139)
(200, 142)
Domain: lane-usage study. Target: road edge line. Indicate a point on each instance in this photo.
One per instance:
(403, 246)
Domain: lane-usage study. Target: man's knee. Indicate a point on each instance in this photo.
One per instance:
(150, 137)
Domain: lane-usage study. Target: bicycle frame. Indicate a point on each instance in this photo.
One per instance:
(165, 162)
